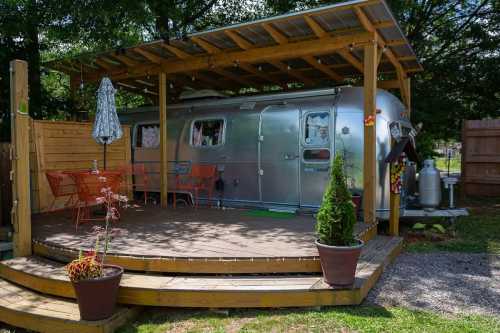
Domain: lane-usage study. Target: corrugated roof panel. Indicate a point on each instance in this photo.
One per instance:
(377, 12)
(390, 33)
(256, 34)
(220, 40)
(294, 27)
(338, 20)
(402, 50)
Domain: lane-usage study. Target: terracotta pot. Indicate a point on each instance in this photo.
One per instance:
(97, 297)
(339, 263)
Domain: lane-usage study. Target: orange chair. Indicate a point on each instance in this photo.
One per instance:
(61, 185)
(89, 187)
(201, 178)
(140, 178)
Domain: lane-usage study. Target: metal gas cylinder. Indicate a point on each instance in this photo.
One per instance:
(429, 185)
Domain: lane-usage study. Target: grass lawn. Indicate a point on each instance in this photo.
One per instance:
(477, 233)
(335, 319)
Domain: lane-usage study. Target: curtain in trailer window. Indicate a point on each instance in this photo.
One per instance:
(316, 131)
(207, 133)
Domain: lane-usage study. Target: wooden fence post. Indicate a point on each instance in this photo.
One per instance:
(20, 147)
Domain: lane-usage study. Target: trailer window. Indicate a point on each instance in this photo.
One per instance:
(317, 131)
(207, 133)
(148, 136)
(316, 155)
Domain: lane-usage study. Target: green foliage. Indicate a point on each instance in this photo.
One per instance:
(474, 234)
(361, 318)
(418, 226)
(336, 217)
(438, 228)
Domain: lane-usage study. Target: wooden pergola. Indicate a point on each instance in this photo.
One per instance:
(357, 42)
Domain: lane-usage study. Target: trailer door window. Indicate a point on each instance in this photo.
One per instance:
(207, 133)
(317, 131)
(148, 136)
(316, 155)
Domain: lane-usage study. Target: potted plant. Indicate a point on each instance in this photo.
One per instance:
(338, 249)
(96, 283)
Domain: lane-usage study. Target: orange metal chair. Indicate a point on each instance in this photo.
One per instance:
(61, 185)
(89, 188)
(201, 178)
(140, 179)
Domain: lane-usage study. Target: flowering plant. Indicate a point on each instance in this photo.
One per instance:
(90, 265)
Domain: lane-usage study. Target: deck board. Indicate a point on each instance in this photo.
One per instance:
(27, 309)
(193, 241)
(283, 290)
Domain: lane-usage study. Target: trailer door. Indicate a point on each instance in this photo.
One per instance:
(279, 155)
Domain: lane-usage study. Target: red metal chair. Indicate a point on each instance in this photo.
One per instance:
(89, 187)
(140, 179)
(201, 178)
(61, 185)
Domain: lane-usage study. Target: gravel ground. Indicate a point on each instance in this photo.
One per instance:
(448, 283)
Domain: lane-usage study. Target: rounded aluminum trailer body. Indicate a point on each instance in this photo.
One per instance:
(265, 159)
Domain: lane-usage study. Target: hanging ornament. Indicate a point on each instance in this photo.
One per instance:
(397, 169)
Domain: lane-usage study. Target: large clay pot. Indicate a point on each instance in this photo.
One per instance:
(339, 263)
(97, 297)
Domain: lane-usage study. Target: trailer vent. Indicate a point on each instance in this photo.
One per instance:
(201, 94)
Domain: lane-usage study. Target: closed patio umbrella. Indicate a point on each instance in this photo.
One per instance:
(106, 125)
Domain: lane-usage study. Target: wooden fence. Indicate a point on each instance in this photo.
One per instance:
(5, 184)
(68, 146)
(481, 157)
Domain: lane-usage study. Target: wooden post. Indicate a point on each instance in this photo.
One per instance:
(20, 174)
(369, 151)
(163, 139)
(395, 198)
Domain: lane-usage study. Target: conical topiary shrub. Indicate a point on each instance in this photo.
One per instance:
(336, 217)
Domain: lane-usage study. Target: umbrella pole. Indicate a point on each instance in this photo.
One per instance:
(105, 145)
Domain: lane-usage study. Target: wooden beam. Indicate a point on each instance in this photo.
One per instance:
(323, 68)
(126, 60)
(211, 49)
(20, 154)
(396, 42)
(176, 51)
(275, 34)
(149, 55)
(383, 24)
(315, 27)
(162, 92)
(300, 49)
(388, 84)
(351, 59)
(370, 138)
(240, 41)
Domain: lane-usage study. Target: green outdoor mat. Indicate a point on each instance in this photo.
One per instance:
(268, 213)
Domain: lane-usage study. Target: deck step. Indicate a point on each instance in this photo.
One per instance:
(226, 291)
(30, 310)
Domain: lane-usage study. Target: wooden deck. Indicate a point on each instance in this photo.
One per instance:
(193, 241)
(41, 313)
(226, 291)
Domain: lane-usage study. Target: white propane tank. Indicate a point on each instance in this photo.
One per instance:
(429, 185)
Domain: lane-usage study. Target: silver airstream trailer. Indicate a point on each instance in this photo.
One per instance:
(271, 151)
